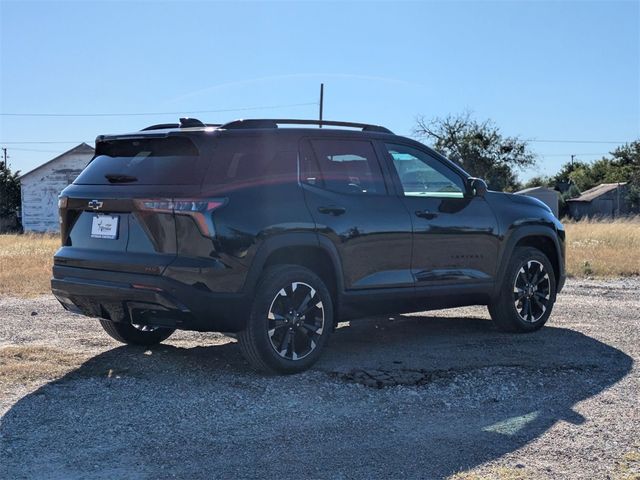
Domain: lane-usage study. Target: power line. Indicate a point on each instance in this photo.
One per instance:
(39, 142)
(34, 150)
(569, 154)
(534, 140)
(540, 140)
(141, 114)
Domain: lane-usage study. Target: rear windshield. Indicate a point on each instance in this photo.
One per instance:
(153, 161)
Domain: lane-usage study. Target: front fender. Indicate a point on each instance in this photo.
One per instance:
(530, 230)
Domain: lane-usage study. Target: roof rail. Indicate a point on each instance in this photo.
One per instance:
(161, 126)
(273, 123)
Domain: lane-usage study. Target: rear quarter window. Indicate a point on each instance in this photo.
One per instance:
(250, 162)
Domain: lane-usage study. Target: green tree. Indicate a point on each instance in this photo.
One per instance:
(539, 181)
(626, 159)
(9, 191)
(478, 147)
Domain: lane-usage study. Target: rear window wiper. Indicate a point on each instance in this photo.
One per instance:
(120, 178)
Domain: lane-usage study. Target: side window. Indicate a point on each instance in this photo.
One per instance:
(343, 166)
(424, 176)
(250, 161)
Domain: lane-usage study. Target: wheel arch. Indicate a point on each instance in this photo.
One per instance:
(304, 249)
(539, 237)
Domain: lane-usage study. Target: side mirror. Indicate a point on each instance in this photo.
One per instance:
(477, 186)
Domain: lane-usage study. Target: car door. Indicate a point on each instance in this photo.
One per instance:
(455, 233)
(345, 191)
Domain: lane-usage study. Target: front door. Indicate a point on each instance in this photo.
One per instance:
(348, 198)
(455, 234)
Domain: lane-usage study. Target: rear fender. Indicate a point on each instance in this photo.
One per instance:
(291, 240)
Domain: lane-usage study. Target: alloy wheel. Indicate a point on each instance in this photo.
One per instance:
(532, 291)
(295, 321)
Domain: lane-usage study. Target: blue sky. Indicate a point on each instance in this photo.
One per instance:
(541, 70)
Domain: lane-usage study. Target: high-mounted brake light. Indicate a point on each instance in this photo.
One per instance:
(198, 209)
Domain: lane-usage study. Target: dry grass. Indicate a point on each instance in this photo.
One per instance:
(600, 248)
(594, 249)
(628, 467)
(29, 363)
(495, 473)
(33, 363)
(25, 263)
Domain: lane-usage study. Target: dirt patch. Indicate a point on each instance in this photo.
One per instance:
(390, 378)
(384, 378)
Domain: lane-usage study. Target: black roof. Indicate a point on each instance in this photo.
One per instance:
(265, 123)
(192, 126)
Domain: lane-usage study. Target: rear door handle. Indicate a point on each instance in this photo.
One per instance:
(332, 210)
(426, 214)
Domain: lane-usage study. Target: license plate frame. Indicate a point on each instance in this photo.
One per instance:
(105, 226)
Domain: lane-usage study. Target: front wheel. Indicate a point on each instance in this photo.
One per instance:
(290, 321)
(527, 293)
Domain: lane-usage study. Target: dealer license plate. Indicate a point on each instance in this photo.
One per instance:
(104, 226)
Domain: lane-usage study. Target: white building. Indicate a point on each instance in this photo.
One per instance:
(42, 185)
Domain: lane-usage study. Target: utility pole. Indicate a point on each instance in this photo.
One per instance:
(4, 157)
(572, 157)
(321, 101)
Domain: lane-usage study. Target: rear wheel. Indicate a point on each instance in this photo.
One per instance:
(290, 321)
(134, 334)
(527, 293)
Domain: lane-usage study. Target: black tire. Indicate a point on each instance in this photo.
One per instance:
(127, 333)
(275, 340)
(527, 293)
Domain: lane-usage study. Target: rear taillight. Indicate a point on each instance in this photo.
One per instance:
(62, 206)
(199, 209)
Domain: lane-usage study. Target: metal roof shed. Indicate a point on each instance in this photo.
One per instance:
(548, 196)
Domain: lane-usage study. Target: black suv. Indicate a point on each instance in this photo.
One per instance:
(276, 234)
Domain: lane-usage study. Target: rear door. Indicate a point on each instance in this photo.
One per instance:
(348, 198)
(118, 214)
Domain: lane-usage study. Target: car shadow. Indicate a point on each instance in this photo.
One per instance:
(202, 413)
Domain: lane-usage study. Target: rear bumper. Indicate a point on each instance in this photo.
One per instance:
(147, 299)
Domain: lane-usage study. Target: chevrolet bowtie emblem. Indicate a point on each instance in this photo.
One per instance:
(95, 205)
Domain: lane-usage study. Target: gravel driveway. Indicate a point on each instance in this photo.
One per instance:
(417, 396)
